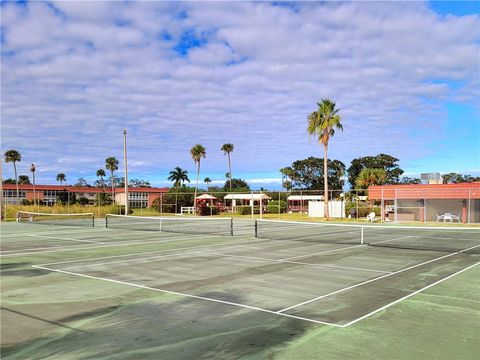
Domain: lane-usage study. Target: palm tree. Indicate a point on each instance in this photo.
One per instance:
(13, 156)
(198, 152)
(369, 177)
(227, 150)
(111, 164)
(33, 169)
(101, 174)
(178, 176)
(207, 181)
(323, 123)
(61, 178)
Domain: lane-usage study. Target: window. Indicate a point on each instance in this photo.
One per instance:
(138, 199)
(10, 196)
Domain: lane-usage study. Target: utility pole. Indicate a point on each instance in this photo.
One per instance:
(125, 169)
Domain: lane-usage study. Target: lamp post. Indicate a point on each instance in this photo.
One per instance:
(125, 169)
(32, 169)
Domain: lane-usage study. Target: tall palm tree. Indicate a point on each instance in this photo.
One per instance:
(207, 181)
(111, 164)
(178, 176)
(33, 169)
(227, 150)
(369, 176)
(323, 123)
(61, 178)
(101, 174)
(198, 152)
(13, 156)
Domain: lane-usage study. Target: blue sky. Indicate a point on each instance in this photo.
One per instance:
(75, 74)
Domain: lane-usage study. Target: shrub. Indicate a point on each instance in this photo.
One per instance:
(27, 202)
(204, 209)
(120, 210)
(82, 201)
(274, 206)
(363, 210)
(247, 210)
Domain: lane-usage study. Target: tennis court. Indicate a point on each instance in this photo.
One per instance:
(329, 274)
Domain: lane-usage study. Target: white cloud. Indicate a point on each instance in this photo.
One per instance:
(77, 78)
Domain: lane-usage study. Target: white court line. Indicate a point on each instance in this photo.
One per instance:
(394, 239)
(252, 242)
(375, 279)
(409, 295)
(329, 251)
(194, 250)
(296, 262)
(60, 230)
(322, 252)
(105, 244)
(187, 295)
(68, 239)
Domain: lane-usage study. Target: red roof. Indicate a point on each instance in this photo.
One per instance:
(425, 191)
(83, 189)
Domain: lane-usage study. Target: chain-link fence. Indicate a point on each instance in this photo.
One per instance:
(380, 204)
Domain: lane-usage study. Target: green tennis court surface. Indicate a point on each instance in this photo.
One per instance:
(292, 292)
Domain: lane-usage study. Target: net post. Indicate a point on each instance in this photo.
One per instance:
(256, 228)
(93, 220)
(361, 237)
(231, 226)
(106, 220)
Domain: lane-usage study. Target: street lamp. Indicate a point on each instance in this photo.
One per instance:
(32, 169)
(125, 169)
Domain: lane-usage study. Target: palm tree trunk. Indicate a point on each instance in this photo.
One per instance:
(34, 190)
(230, 171)
(325, 181)
(113, 187)
(196, 187)
(16, 181)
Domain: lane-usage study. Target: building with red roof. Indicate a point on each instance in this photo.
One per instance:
(429, 202)
(48, 194)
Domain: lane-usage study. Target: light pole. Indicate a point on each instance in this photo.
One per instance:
(32, 169)
(125, 169)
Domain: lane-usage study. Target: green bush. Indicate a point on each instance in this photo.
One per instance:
(247, 210)
(363, 210)
(82, 200)
(274, 205)
(27, 202)
(120, 210)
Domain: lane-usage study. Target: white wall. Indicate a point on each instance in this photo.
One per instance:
(336, 209)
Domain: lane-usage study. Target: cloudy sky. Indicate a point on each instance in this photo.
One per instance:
(74, 74)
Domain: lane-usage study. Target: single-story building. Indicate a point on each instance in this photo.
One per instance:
(48, 194)
(429, 202)
(234, 200)
(299, 203)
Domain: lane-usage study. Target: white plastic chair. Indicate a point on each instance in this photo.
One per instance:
(448, 217)
(440, 217)
(371, 217)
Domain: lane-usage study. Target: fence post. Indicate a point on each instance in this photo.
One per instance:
(356, 204)
(468, 215)
(382, 209)
(395, 217)
(261, 204)
(251, 205)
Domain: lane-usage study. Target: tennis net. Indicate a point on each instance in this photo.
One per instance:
(446, 239)
(82, 219)
(200, 226)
